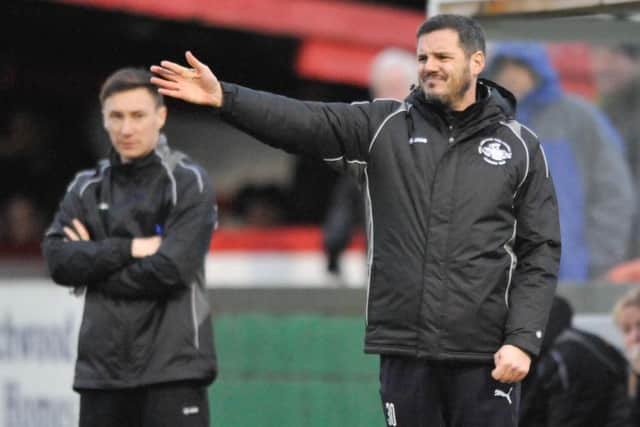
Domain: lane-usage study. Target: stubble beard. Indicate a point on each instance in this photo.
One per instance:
(448, 100)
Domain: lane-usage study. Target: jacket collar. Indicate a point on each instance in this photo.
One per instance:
(494, 104)
(136, 164)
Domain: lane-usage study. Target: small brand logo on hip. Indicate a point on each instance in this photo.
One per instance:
(499, 393)
(190, 410)
(391, 414)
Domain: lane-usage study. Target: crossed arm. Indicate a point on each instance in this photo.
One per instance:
(140, 246)
(132, 267)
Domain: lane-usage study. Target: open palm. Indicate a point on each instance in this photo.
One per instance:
(197, 84)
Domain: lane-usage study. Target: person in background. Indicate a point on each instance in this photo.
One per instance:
(617, 72)
(133, 233)
(626, 315)
(392, 75)
(585, 155)
(462, 222)
(579, 380)
(21, 226)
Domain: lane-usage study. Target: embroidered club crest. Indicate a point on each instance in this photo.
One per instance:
(494, 151)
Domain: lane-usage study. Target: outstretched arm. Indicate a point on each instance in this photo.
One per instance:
(336, 132)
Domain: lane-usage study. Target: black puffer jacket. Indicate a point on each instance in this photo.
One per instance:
(462, 217)
(146, 321)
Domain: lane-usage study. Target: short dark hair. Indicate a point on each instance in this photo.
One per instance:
(470, 33)
(129, 78)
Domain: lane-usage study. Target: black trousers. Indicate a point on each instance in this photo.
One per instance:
(422, 393)
(179, 404)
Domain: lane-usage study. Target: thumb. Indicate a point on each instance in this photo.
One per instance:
(496, 374)
(193, 61)
(499, 369)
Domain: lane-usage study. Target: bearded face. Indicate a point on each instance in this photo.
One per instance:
(447, 75)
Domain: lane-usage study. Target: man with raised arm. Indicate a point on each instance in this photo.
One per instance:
(462, 222)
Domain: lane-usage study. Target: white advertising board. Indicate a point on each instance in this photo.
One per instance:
(39, 324)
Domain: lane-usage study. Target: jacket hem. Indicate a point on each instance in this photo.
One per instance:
(109, 384)
(443, 356)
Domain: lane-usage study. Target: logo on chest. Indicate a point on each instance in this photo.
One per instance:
(494, 151)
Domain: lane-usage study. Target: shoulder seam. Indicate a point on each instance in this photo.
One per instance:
(384, 122)
(195, 171)
(514, 127)
(103, 166)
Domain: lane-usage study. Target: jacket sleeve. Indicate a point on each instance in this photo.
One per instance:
(537, 248)
(185, 242)
(610, 196)
(77, 263)
(329, 131)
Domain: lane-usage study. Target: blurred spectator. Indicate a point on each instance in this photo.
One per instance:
(579, 380)
(584, 152)
(392, 74)
(626, 314)
(21, 226)
(260, 205)
(617, 72)
(26, 164)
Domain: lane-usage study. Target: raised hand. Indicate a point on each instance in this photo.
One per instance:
(197, 84)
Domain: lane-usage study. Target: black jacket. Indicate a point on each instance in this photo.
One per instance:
(580, 381)
(146, 321)
(462, 219)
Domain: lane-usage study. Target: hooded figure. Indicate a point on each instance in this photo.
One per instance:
(585, 155)
(579, 380)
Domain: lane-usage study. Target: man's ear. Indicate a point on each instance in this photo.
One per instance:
(104, 118)
(161, 116)
(477, 63)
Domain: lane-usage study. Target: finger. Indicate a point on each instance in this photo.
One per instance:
(166, 74)
(169, 92)
(176, 68)
(70, 234)
(81, 229)
(194, 62)
(166, 84)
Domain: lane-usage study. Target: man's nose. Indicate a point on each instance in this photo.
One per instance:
(127, 126)
(429, 65)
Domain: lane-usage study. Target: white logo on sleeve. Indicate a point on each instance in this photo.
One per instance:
(391, 414)
(190, 410)
(494, 151)
(418, 140)
(499, 393)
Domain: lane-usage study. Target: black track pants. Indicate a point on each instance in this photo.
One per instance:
(422, 393)
(165, 405)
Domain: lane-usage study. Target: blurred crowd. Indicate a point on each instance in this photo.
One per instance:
(592, 144)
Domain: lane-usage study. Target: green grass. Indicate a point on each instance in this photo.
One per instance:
(296, 370)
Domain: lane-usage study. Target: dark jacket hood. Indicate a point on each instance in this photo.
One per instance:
(534, 56)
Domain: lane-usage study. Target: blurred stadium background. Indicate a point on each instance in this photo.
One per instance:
(289, 335)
